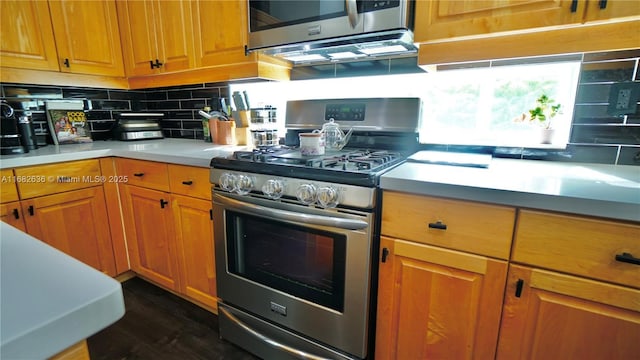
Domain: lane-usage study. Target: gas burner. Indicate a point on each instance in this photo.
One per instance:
(259, 154)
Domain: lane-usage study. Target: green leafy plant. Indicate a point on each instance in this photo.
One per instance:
(542, 114)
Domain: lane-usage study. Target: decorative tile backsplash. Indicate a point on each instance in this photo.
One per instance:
(596, 135)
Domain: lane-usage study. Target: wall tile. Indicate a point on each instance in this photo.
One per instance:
(629, 155)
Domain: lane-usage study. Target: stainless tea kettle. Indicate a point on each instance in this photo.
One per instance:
(334, 138)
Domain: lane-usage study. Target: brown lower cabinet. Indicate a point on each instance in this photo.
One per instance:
(548, 315)
(169, 229)
(150, 230)
(60, 206)
(436, 303)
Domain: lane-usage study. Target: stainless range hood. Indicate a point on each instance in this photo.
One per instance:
(331, 31)
(379, 45)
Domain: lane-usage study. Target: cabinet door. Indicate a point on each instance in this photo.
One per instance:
(555, 316)
(87, 36)
(219, 42)
(27, 37)
(157, 36)
(435, 303)
(8, 189)
(11, 213)
(194, 230)
(605, 10)
(150, 232)
(74, 222)
(138, 37)
(444, 19)
(174, 30)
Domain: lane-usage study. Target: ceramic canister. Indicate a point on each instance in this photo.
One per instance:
(311, 144)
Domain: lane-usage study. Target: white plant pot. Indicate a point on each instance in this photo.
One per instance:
(546, 135)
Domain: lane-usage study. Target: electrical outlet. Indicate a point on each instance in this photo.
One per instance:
(623, 98)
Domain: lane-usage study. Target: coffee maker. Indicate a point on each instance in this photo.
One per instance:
(10, 142)
(17, 136)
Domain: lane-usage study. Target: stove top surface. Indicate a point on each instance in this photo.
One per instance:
(351, 166)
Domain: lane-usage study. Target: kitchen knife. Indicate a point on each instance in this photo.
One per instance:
(238, 101)
(223, 105)
(246, 100)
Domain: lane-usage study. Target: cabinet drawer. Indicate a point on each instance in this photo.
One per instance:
(190, 181)
(473, 227)
(56, 178)
(578, 245)
(8, 190)
(149, 174)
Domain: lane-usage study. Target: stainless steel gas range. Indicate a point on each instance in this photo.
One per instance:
(296, 237)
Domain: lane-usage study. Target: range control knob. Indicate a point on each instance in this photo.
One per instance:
(306, 193)
(273, 188)
(327, 196)
(228, 182)
(244, 184)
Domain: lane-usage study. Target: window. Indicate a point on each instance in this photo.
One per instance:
(460, 107)
(479, 106)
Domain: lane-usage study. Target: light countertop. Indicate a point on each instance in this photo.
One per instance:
(49, 300)
(611, 191)
(177, 151)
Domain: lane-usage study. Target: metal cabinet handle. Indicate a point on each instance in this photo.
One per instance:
(163, 202)
(288, 349)
(187, 182)
(66, 63)
(602, 4)
(16, 214)
(385, 254)
(138, 174)
(352, 12)
(519, 286)
(627, 258)
(31, 210)
(574, 6)
(438, 225)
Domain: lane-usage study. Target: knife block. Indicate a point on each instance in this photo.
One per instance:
(226, 132)
(245, 117)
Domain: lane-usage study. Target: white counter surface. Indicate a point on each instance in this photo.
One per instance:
(48, 300)
(587, 189)
(177, 151)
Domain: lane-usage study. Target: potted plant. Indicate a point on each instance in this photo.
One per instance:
(541, 115)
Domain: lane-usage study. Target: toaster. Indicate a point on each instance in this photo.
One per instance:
(138, 126)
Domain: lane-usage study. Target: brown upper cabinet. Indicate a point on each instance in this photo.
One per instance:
(85, 34)
(451, 31)
(157, 36)
(218, 42)
(87, 37)
(27, 36)
(446, 19)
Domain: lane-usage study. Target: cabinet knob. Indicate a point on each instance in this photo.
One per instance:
(163, 203)
(603, 4)
(16, 214)
(187, 182)
(31, 210)
(66, 62)
(138, 174)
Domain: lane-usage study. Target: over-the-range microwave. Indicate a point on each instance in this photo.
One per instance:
(302, 26)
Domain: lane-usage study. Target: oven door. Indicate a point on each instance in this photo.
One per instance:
(305, 269)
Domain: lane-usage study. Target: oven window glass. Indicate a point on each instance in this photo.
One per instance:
(303, 262)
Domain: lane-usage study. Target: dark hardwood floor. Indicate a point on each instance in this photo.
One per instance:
(159, 325)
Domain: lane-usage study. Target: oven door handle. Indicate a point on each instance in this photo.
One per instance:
(290, 216)
(293, 351)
